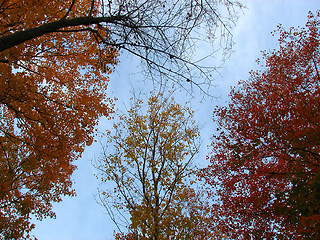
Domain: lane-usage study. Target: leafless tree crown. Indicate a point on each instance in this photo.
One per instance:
(165, 33)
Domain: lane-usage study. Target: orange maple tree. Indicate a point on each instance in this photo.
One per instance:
(265, 160)
(52, 93)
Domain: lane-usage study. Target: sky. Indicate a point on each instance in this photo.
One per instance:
(81, 218)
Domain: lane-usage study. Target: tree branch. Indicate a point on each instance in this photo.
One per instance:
(17, 38)
(69, 10)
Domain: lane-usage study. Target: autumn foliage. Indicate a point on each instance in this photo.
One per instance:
(52, 92)
(265, 160)
(147, 164)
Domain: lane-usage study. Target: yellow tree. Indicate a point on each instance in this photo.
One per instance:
(148, 157)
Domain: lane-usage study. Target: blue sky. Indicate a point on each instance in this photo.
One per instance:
(81, 218)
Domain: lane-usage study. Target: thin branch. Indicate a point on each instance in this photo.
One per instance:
(69, 10)
(91, 7)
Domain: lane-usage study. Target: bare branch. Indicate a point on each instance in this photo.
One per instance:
(69, 9)
(17, 38)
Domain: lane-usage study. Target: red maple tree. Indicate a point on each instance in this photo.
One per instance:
(265, 160)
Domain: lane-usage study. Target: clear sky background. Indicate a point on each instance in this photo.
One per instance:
(81, 218)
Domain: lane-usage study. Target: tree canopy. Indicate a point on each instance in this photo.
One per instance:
(52, 93)
(148, 158)
(265, 160)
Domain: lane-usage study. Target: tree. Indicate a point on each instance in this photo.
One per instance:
(148, 158)
(265, 160)
(54, 57)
